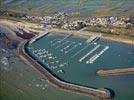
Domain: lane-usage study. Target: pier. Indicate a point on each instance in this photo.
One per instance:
(96, 56)
(66, 37)
(60, 41)
(77, 53)
(75, 46)
(115, 72)
(66, 47)
(81, 59)
(93, 38)
(62, 44)
(38, 37)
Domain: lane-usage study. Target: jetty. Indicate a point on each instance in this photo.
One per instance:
(96, 56)
(93, 38)
(85, 56)
(66, 37)
(60, 41)
(115, 72)
(38, 37)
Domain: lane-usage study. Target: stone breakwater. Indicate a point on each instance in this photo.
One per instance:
(103, 93)
(112, 72)
(38, 37)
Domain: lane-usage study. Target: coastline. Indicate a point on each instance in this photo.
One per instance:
(118, 39)
(86, 33)
(79, 33)
(88, 55)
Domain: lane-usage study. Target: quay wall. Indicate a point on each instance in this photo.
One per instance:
(38, 37)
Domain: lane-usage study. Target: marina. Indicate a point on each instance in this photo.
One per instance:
(74, 52)
(102, 93)
(67, 49)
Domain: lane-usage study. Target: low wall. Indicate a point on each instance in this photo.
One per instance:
(38, 37)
